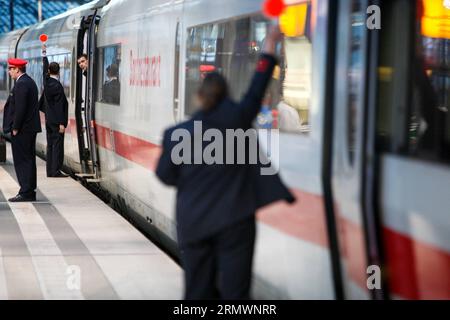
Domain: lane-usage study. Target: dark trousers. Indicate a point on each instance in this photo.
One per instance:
(55, 150)
(24, 156)
(220, 267)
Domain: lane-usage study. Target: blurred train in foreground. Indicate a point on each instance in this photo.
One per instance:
(363, 116)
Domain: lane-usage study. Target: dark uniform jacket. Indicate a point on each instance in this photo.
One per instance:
(57, 110)
(212, 197)
(21, 110)
(111, 92)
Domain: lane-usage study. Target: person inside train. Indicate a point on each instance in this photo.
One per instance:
(428, 111)
(21, 119)
(111, 88)
(216, 203)
(53, 103)
(83, 63)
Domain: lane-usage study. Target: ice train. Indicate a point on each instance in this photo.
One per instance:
(362, 116)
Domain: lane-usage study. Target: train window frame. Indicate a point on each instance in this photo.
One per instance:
(402, 124)
(102, 70)
(276, 88)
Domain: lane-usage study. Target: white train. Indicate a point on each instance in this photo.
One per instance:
(363, 118)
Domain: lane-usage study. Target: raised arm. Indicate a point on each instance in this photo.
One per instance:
(251, 103)
(45, 64)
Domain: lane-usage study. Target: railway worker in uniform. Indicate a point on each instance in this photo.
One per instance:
(21, 119)
(83, 63)
(216, 203)
(54, 104)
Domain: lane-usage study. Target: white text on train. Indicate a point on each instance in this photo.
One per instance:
(209, 147)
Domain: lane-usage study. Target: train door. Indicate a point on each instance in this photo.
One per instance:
(85, 104)
(413, 139)
(353, 156)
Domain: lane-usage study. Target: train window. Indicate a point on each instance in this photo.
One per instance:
(65, 72)
(34, 70)
(425, 127)
(64, 61)
(3, 76)
(232, 48)
(109, 75)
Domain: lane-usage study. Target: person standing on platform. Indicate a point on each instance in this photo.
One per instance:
(216, 204)
(21, 119)
(54, 104)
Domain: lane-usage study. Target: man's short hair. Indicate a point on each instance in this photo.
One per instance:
(22, 69)
(113, 70)
(84, 55)
(53, 69)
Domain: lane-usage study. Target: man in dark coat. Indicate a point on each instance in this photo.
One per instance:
(111, 88)
(54, 104)
(21, 119)
(216, 203)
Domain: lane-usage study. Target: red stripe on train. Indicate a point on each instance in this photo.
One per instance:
(71, 126)
(131, 148)
(417, 270)
(352, 249)
(304, 220)
(136, 150)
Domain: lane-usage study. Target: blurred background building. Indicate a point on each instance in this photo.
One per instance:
(16, 14)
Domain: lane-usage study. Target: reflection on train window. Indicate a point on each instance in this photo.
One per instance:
(3, 76)
(109, 75)
(427, 127)
(233, 47)
(355, 72)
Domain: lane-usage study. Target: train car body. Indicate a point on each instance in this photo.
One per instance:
(359, 207)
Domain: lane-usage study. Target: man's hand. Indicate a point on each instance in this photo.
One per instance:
(44, 50)
(15, 132)
(62, 129)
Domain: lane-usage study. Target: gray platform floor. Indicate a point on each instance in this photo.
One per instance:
(70, 245)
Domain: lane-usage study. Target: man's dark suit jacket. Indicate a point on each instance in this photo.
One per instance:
(111, 92)
(57, 110)
(21, 110)
(212, 197)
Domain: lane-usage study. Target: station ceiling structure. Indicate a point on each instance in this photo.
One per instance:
(16, 14)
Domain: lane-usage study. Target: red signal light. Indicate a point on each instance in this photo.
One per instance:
(274, 8)
(43, 38)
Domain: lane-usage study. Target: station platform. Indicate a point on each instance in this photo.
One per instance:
(69, 245)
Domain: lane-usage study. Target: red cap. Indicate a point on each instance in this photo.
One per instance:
(17, 63)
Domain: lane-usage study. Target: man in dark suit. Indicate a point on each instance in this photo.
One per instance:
(54, 104)
(111, 88)
(216, 203)
(21, 119)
